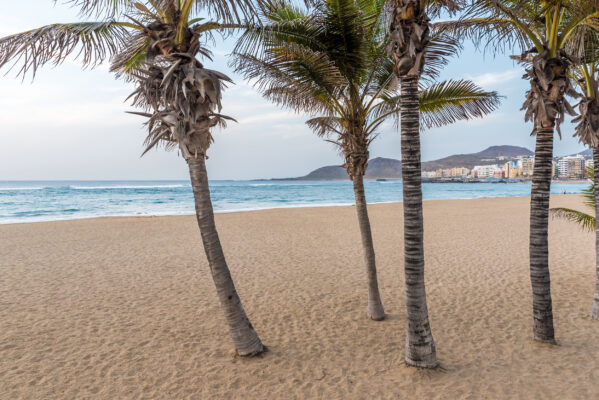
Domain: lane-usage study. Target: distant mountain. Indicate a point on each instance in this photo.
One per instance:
(326, 173)
(377, 168)
(504, 151)
(383, 168)
(485, 157)
(388, 168)
(585, 153)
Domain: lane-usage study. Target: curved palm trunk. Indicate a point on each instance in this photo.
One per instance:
(375, 305)
(245, 338)
(539, 249)
(420, 346)
(595, 309)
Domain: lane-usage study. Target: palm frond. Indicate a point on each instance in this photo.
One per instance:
(436, 8)
(500, 25)
(490, 34)
(326, 126)
(280, 25)
(226, 11)
(439, 50)
(97, 8)
(231, 11)
(294, 77)
(455, 100)
(589, 193)
(586, 221)
(89, 42)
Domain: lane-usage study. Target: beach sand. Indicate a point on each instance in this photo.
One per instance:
(119, 308)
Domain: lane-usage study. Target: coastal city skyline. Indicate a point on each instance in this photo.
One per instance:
(573, 167)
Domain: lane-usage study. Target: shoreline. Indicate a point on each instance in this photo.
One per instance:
(240, 211)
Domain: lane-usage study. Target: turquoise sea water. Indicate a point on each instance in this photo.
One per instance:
(31, 201)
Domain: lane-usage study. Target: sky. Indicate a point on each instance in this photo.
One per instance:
(70, 123)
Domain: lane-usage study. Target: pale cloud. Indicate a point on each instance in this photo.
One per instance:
(268, 117)
(10, 25)
(27, 105)
(495, 79)
(72, 124)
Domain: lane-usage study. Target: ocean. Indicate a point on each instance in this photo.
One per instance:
(33, 201)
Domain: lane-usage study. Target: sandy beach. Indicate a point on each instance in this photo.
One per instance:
(120, 308)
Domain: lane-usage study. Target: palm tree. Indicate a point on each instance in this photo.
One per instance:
(156, 47)
(330, 61)
(586, 77)
(542, 31)
(409, 40)
(587, 222)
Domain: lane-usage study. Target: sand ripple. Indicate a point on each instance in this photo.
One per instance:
(119, 308)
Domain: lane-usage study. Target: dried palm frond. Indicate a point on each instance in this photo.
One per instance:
(91, 43)
(546, 103)
(226, 11)
(185, 100)
(409, 34)
(587, 128)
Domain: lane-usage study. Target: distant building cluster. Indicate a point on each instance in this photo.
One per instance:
(569, 167)
(458, 172)
(487, 171)
(520, 168)
(573, 167)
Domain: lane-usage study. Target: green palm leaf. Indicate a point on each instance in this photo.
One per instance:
(586, 221)
(445, 103)
(455, 100)
(332, 61)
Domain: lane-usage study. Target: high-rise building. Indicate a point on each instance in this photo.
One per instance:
(562, 167)
(571, 167)
(526, 166)
(459, 172)
(576, 167)
(510, 170)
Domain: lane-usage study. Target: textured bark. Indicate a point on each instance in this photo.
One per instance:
(409, 36)
(245, 338)
(595, 308)
(420, 346)
(375, 305)
(539, 250)
(546, 105)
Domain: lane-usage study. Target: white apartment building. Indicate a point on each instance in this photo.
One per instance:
(589, 163)
(571, 166)
(562, 167)
(486, 171)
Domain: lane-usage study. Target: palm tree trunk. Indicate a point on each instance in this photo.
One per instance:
(420, 346)
(539, 249)
(245, 338)
(595, 309)
(375, 305)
